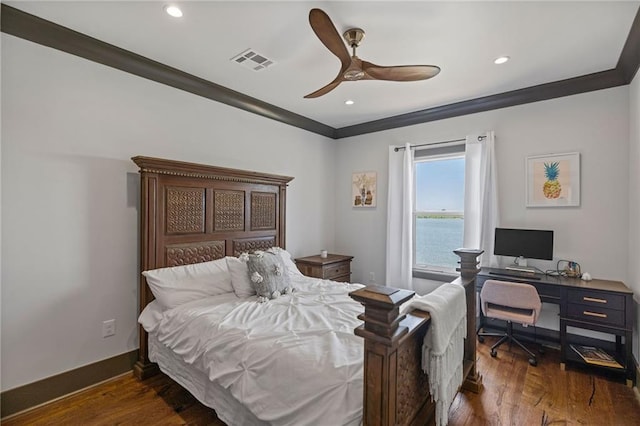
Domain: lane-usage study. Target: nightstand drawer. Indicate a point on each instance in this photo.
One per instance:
(335, 267)
(596, 299)
(595, 314)
(330, 272)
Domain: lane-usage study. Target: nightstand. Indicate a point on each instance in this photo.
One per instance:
(335, 267)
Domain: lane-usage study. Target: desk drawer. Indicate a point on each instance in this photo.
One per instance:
(596, 299)
(595, 314)
(548, 292)
(336, 270)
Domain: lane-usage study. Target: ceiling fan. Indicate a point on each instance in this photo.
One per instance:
(353, 68)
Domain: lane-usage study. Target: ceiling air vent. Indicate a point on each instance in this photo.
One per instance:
(253, 60)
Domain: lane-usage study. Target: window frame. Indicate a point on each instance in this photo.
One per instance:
(440, 152)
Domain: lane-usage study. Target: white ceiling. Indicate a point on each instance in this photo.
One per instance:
(547, 41)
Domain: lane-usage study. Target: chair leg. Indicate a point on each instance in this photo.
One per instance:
(482, 335)
(509, 337)
(524, 348)
(504, 338)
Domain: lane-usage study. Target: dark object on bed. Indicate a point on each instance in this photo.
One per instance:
(191, 213)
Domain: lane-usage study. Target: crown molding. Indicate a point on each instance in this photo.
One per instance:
(29, 27)
(557, 89)
(629, 61)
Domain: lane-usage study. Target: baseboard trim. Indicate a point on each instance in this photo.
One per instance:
(34, 394)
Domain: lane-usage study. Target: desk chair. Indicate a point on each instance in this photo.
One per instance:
(511, 302)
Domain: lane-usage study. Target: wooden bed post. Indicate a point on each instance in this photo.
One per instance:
(396, 390)
(468, 270)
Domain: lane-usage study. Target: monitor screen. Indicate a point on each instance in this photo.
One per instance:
(528, 243)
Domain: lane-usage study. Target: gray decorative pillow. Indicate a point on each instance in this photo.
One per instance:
(268, 275)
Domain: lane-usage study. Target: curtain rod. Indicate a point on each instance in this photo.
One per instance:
(398, 148)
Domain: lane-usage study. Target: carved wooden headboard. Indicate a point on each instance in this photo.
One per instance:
(192, 213)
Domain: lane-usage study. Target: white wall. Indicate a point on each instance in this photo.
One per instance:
(634, 200)
(595, 234)
(595, 124)
(70, 196)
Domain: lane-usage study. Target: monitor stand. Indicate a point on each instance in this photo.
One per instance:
(520, 265)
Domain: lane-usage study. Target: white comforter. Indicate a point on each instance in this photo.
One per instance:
(291, 361)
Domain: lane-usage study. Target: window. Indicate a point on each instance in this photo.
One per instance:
(438, 209)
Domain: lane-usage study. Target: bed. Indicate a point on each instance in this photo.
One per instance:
(194, 215)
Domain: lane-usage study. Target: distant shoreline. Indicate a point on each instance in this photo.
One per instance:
(440, 215)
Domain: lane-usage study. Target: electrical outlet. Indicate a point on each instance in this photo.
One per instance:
(108, 328)
(372, 277)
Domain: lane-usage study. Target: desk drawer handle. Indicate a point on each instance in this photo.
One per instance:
(593, 299)
(594, 314)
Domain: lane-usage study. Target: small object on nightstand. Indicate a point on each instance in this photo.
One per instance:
(335, 267)
(323, 254)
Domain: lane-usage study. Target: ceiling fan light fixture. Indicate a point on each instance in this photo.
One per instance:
(173, 10)
(349, 102)
(501, 60)
(353, 75)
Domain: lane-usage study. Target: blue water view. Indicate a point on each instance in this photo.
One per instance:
(436, 238)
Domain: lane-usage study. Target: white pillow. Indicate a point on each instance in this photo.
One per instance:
(180, 284)
(286, 258)
(240, 277)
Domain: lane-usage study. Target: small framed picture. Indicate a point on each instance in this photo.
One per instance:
(363, 189)
(553, 180)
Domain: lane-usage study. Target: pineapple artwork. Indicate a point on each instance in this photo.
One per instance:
(553, 180)
(552, 187)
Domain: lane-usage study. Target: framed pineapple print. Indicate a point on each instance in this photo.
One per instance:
(553, 180)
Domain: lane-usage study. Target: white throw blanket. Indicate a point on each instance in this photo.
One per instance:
(443, 349)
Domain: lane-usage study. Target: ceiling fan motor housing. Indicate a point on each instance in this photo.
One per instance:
(353, 36)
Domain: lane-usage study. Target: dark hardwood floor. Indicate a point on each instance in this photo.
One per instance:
(514, 393)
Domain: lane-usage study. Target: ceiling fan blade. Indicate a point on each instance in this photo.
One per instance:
(328, 35)
(399, 73)
(326, 89)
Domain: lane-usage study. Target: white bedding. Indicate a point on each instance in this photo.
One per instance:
(209, 393)
(293, 360)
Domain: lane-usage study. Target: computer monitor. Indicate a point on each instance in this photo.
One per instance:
(524, 244)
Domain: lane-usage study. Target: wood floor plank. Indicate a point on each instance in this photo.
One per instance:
(513, 393)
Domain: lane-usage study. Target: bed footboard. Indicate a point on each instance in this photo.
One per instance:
(396, 389)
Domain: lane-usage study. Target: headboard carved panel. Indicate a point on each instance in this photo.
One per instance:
(252, 244)
(229, 211)
(263, 208)
(185, 254)
(185, 210)
(192, 213)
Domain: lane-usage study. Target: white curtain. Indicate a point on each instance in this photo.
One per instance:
(481, 196)
(400, 218)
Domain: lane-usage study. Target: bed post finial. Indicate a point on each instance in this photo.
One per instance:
(468, 262)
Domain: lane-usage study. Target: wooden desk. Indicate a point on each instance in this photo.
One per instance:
(598, 305)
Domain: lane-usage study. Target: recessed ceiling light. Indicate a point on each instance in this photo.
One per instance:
(173, 11)
(501, 60)
(349, 102)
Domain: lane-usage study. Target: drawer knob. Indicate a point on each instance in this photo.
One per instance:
(593, 299)
(594, 314)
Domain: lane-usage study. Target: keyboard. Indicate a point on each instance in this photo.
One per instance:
(524, 276)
